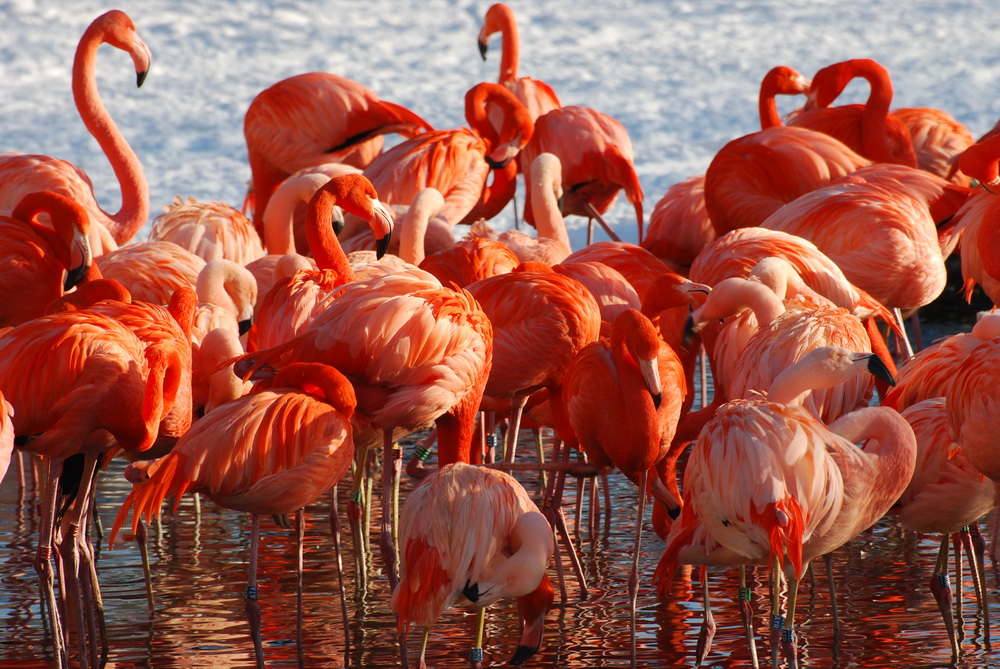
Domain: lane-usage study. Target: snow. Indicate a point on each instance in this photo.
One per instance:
(681, 76)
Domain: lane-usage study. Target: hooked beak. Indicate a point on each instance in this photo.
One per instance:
(244, 326)
(651, 377)
(484, 47)
(879, 370)
(80, 251)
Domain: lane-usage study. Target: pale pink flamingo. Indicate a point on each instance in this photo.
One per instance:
(623, 400)
(458, 162)
(419, 229)
(680, 227)
(211, 230)
(870, 129)
(24, 173)
(766, 500)
(6, 434)
(946, 495)
(597, 163)
(613, 292)
(39, 262)
(271, 452)
(97, 377)
(151, 271)
(316, 118)
(471, 534)
(938, 139)
(552, 245)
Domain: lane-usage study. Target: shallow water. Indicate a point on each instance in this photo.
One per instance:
(889, 618)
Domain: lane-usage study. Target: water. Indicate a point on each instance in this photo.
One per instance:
(199, 569)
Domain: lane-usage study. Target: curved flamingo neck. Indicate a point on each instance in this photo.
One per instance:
(134, 211)
(546, 181)
(476, 116)
(510, 44)
(874, 138)
(893, 446)
(279, 215)
(323, 243)
(733, 295)
(413, 226)
(980, 161)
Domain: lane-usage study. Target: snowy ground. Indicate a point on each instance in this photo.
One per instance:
(681, 76)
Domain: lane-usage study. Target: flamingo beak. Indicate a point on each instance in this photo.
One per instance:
(651, 376)
(879, 369)
(484, 48)
(81, 259)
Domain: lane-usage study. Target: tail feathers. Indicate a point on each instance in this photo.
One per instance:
(785, 527)
(146, 498)
(420, 595)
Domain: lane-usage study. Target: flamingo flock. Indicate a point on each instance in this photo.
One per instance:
(259, 356)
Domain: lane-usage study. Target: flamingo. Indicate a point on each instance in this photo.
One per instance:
(680, 227)
(316, 118)
(208, 229)
(151, 271)
(979, 220)
(636, 264)
(938, 139)
(6, 434)
(537, 96)
(416, 352)
(552, 245)
(770, 482)
(972, 408)
(421, 230)
(270, 452)
(471, 533)
(623, 401)
(35, 257)
(458, 162)
(946, 495)
(870, 129)
(98, 376)
(24, 173)
(469, 260)
(597, 163)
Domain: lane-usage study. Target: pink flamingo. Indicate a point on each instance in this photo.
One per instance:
(938, 140)
(32, 273)
(24, 173)
(211, 230)
(978, 222)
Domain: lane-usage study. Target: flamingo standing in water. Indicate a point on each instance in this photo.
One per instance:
(98, 377)
(316, 118)
(458, 162)
(6, 434)
(271, 452)
(623, 400)
(23, 173)
(35, 257)
(771, 483)
(680, 227)
(473, 534)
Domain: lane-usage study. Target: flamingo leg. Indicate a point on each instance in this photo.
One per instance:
(391, 467)
(70, 550)
(707, 632)
(941, 589)
(92, 590)
(141, 537)
(956, 538)
(977, 549)
(540, 451)
(903, 340)
(788, 645)
(335, 531)
(633, 578)
(43, 564)
(558, 519)
(516, 410)
(300, 533)
(746, 611)
(251, 604)
(595, 215)
(354, 516)
(476, 653)
(777, 620)
(833, 598)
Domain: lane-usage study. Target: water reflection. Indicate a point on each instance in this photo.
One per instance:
(199, 570)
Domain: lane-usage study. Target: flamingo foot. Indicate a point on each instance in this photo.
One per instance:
(253, 618)
(941, 589)
(789, 651)
(705, 637)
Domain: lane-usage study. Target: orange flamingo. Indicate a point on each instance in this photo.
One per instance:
(420, 230)
(938, 140)
(636, 264)
(470, 260)
(946, 495)
(417, 353)
(211, 230)
(551, 246)
(971, 405)
(458, 162)
(271, 452)
(6, 434)
(537, 96)
(31, 274)
(764, 499)
(98, 377)
(870, 129)
(472, 533)
(24, 173)
(316, 118)
(623, 400)
(680, 227)
(978, 222)
(597, 163)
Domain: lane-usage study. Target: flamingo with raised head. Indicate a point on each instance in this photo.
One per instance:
(24, 173)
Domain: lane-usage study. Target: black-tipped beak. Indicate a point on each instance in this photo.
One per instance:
(382, 245)
(880, 371)
(471, 591)
(337, 223)
(657, 398)
(140, 77)
(244, 326)
(688, 338)
(483, 49)
(75, 276)
(522, 654)
(495, 165)
(674, 512)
